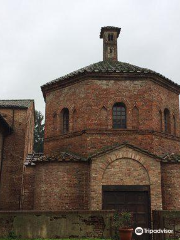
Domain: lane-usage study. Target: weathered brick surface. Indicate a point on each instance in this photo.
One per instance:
(125, 167)
(29, 131)
(90, 105)
(89, 96)
(61, 185)
(171, 186)
(61, 224)
(16, 147)
(92, 100)
(28, 188)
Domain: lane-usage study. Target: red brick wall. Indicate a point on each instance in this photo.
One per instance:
(171, 186)
(27, 201)
(15, 149)
(29, 137)
(90, 105)
(61, 185)
(125, 166)
(164, 98)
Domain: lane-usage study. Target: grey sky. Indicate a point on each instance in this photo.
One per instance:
(41, 40)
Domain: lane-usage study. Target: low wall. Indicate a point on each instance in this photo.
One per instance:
(66, 224)
(169, 220)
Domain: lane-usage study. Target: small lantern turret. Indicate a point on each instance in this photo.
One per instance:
(110, 35)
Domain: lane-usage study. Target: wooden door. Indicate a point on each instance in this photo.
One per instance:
(130, 198)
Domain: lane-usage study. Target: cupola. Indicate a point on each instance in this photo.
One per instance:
(110, 35)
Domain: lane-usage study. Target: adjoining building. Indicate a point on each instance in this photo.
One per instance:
(16, 141)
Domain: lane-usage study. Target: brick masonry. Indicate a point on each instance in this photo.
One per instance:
(16, 147)
(61, 186)
(90, 105)
(92, 127)
(171, 186)
(89, 96)
(125, 166)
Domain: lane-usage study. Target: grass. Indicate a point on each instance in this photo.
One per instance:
(55, 239)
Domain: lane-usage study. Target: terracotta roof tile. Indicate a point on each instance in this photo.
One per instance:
(56, 157)
(108, 67)
(22, 103)
(171, 157)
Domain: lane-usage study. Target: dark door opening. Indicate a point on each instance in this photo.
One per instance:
(135, 199)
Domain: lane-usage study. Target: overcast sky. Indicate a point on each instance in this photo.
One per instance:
(41, 40)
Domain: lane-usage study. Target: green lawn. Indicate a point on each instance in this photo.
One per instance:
(55, 239)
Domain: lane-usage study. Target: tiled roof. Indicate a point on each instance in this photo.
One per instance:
(57, 157)
(109, 28)
(31, 158)
(67, 156)
(175, 158)
(22, 103)
(108, 67)
(64, 156)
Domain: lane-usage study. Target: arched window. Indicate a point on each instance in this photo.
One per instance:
(167, 124)
(119, 116)
(135, 113)
(110, 37)
(65, 120)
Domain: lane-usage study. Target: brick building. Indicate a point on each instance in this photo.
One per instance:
(16, 141)
(112, 140)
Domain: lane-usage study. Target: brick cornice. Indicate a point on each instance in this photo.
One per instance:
(114, 132)
(162, 81)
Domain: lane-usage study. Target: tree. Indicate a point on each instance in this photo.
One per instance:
(39, 132)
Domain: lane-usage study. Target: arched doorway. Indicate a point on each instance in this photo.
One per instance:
(129, 190)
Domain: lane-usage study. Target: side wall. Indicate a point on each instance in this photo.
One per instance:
(14, 154)
(83, 97)
(61, 185)
(13, 159)
(171, 186)
(27, 200)
(29, 134)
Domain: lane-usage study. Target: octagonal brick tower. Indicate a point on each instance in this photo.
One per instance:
(110, 126)
(110, 36)
(89, 94)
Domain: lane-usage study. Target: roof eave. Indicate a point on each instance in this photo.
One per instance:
(84, 75)
(14, 107)
(109, 28)
(16, 104)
